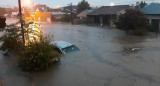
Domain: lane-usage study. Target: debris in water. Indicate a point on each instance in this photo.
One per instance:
(136, 49)
(101, 36)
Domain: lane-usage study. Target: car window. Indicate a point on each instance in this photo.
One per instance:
(70, 49)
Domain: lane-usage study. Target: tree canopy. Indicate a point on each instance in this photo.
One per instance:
(142, 4)
(83, 5)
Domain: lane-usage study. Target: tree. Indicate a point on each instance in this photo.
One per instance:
(142, 4)
(132, 20)
(83, 5)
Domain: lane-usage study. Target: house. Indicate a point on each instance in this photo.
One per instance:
(57, 16)
(68, 9)
(152, 12)
(43, 17)
(41, 8)
(37, 15)
(54, 10)
(106, 15)
(14, 14)
(83, 14)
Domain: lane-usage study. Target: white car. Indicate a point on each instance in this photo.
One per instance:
(64, 47)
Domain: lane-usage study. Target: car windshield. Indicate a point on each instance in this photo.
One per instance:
(70, 49)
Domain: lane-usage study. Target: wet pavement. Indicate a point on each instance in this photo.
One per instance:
(107, 57)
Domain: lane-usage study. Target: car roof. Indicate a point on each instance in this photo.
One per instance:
(61, 44)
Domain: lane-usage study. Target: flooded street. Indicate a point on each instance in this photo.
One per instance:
(107, 57)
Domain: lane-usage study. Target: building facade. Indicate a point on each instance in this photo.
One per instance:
(83, 14)
(43, 17)
(106, 15)
(152, 12)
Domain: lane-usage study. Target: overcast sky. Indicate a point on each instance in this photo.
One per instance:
(61, 3)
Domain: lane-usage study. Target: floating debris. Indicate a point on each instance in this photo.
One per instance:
(136, 49)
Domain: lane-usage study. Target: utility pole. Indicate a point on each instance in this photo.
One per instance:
(20, 14)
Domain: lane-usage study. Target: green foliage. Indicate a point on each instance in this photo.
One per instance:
(132, 20)
(66, 18)
(11, 39)
(38, 56)
(142, 4)
(83, 5)
(141, 32)
(80, 21)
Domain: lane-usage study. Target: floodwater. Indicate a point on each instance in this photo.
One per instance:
(107, 57)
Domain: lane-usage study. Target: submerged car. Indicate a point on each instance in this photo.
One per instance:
(64, 47)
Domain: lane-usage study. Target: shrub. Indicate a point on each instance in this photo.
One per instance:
(38, 56)
(11, 39)
(66, 18)
(80, 21)
(131, 20)
(141, 31)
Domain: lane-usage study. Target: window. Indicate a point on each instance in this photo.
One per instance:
(39, 18)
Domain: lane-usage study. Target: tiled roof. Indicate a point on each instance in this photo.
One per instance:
(152, 9)
(109, 10)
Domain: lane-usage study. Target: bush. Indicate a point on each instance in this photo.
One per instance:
(66, 18)
(11, 39)
(80, 21)
(131, 20)
(38, 56)
(141, 31)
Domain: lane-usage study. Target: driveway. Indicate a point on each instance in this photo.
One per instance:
(107, 57)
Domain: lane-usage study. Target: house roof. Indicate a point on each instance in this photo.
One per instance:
(54, 10)
(89, 11)
(152, 9)
(57, 13)
(106, 10)
(84, 13)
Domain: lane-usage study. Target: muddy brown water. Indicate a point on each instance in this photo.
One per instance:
(106, 59)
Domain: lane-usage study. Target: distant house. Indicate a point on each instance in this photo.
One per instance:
(68, 9)
(54, 10)
(106, 15)
(41, 8)
(14, 14)
(83, 14)
(153, 15)
(43, 17)
(57, 16)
